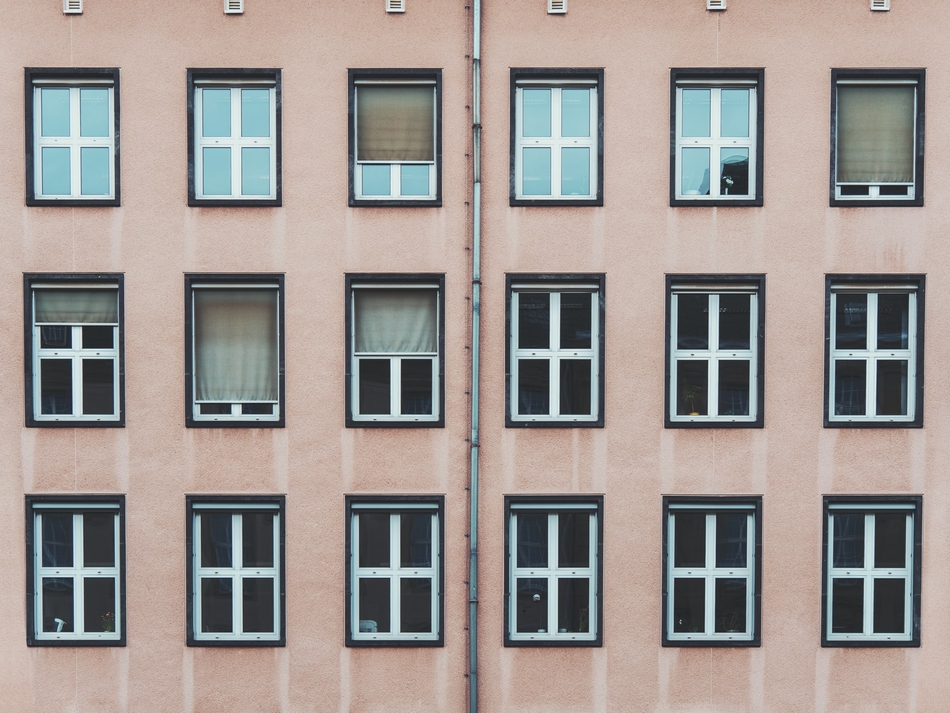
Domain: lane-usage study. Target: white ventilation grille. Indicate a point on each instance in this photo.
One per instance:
(395, 5)
(882, 5)
(233, 7)
(72, 7)
(715, 4)
(557, 7)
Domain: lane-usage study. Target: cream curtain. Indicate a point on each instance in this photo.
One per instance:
(875, 133)
(395, 123)
(76, 306)
(396, 321)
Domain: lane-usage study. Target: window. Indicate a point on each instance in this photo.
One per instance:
(557, 137)
(74, 347)
(75, 570)
(234, 137)
(718, 136)
(235, 587)
(395, 350)
(877, 137)
(712, 571)
(394, 576)
(395, 137)
(554, 576)
(72, 137)
(871, 571)
(555, 350)
(715, 331)
(875, 328)
(234, 334)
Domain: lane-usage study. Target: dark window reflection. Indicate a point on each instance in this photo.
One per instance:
(532, 539)
(415, 533)
(890, 539)
(415, 604)
(573, 604)
(57, 604)
(893, 317)
(56, 337)
(216, 539)
(98, 386)
(689, 605)
(734, 321)
(575, 387)
(731, 539)
(98, 337)
(730, 605)
(98, 539)
(99, 604)
(692, 327)
(851, 321)
(850, 387)
(258, 539)
(374, 539)
(216, 612)
(692, 387)
(689, 547)
(534, 320)
(374, 605)
(573, 539)
(892, 387)
(889, 602)
(534, 387)
(56, 386)
(848, 540)
(416, 387)
(576, 320)
(258, 604)
(374, 381)
(847, 606)
(57, 539)
(531, 602)
(734, 388)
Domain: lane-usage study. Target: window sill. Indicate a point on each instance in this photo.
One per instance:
(73, 202)
(543, 202)
(592, 423)
(395, 423)
(234, 202)
(877, 202)
(759, 422)
(712, 643)
(756, 202)
(395, 203)
(867, 423)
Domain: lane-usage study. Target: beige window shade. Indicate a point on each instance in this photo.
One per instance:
(875, 133)
(76, 306)
(396, 321)
(395, 123)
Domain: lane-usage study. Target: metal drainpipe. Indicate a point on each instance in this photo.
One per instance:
(476, 353)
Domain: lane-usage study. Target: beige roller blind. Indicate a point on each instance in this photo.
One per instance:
(395, 122)
(76, 306)
(875, 133)
(396, 321)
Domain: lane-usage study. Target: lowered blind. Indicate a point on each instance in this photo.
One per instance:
(395, 123)
(72, 306)
(396, 321)
(876, 133)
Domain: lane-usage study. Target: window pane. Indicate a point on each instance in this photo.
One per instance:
(56, 386)
(216, 539)
(692, 322)
(98, 539)
(536, 170)
(374, 539)
(215, 112)
(416, 387)
(734, 388)
(695, 112)
(376, 179)
(875, 133)
(692, 387)
(734, 174)
(415, 604)
(848, 540)
(893, 317)
(689, 605)
(851, 321)
(415, 546)
(395, 320)
(889, 602)
(532, 540)
(395, 123)
(55, 171)
(374, 378)
(573, 539)
(694, 169)
(216, 171)
(689, 547)
(575, 112)
(94, 165)
(93, 112)
(847, 606)
(258, 604)
(98, 386)
(735, 112)
(57, 604)
(536, 112)
(576, 319)
(534, 320)
(255, 171)
(892, 388)
(216, 613)
(890, 540)
(734, 321)
(374, 611)
(534, 387)
(573, 604)
(731, 539)
(56, 337)
(730, 605)
(575, 387)
(255, 112)
(257, 529)
(575, 171)
(414, 180)
(99, 603)
(850, 387)
(97, 337)
(57, 539)
(55, 112)
(531, 602)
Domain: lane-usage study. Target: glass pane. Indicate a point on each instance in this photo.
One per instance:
(55, 171)
(257, 534)
(255, 171)
(689, 605)
(414, 180)
(536, 171)
(216, 612)
(850, 387)
(374, 611)
(216, 171)
(216, 539)
(890, 540)
(851, 321)
(536, 112)
(57, 603)
(415, 604)
(575, 112)
(534, 387)
(56, 337)
(692, 322)
(215, 112)
(730, 605)
(534, 320)
(694, 170)
(732, 539)
(573, 539)
(98, 539)
(735, 112)
(889, 602)
(99, 603)
(695, 112)
(98, 386)
(734, 173)
(847, 606)
(575, 320)
(54, 107)
(734, 388)
(689, 548)
(57, 539)
(692, 388)
(93, 112)
(416, 391)
(56, 386)
(258, 604)
(573, 604)
(531, 603)
(374, 379)
(376, 179)
(848, 540)
(892, 388)
(734, 321)
(575, 171)
(893, 316)
(415, 535)
(255, 112)
(94, 169)
(532, 539)
(256, 409)
(96, 337)
(374, 539)
(575, 387)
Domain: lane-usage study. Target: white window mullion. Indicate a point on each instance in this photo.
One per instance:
(79, 584)
(395, 581)
(710, 575)
(236, 143)
(237, 588)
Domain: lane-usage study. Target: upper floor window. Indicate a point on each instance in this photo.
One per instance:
(557, 136)
(718, 132)
(234, 137)
(72, 137)
(395, 137)
(877, 137)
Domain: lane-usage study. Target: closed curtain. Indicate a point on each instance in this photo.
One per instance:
(76, 306)
(876, 133)
(396, 321)
(395, 123)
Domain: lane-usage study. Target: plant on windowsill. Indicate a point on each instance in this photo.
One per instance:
(692, 394)
(108, 622)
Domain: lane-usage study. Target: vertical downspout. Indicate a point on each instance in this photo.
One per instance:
(476, 353)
